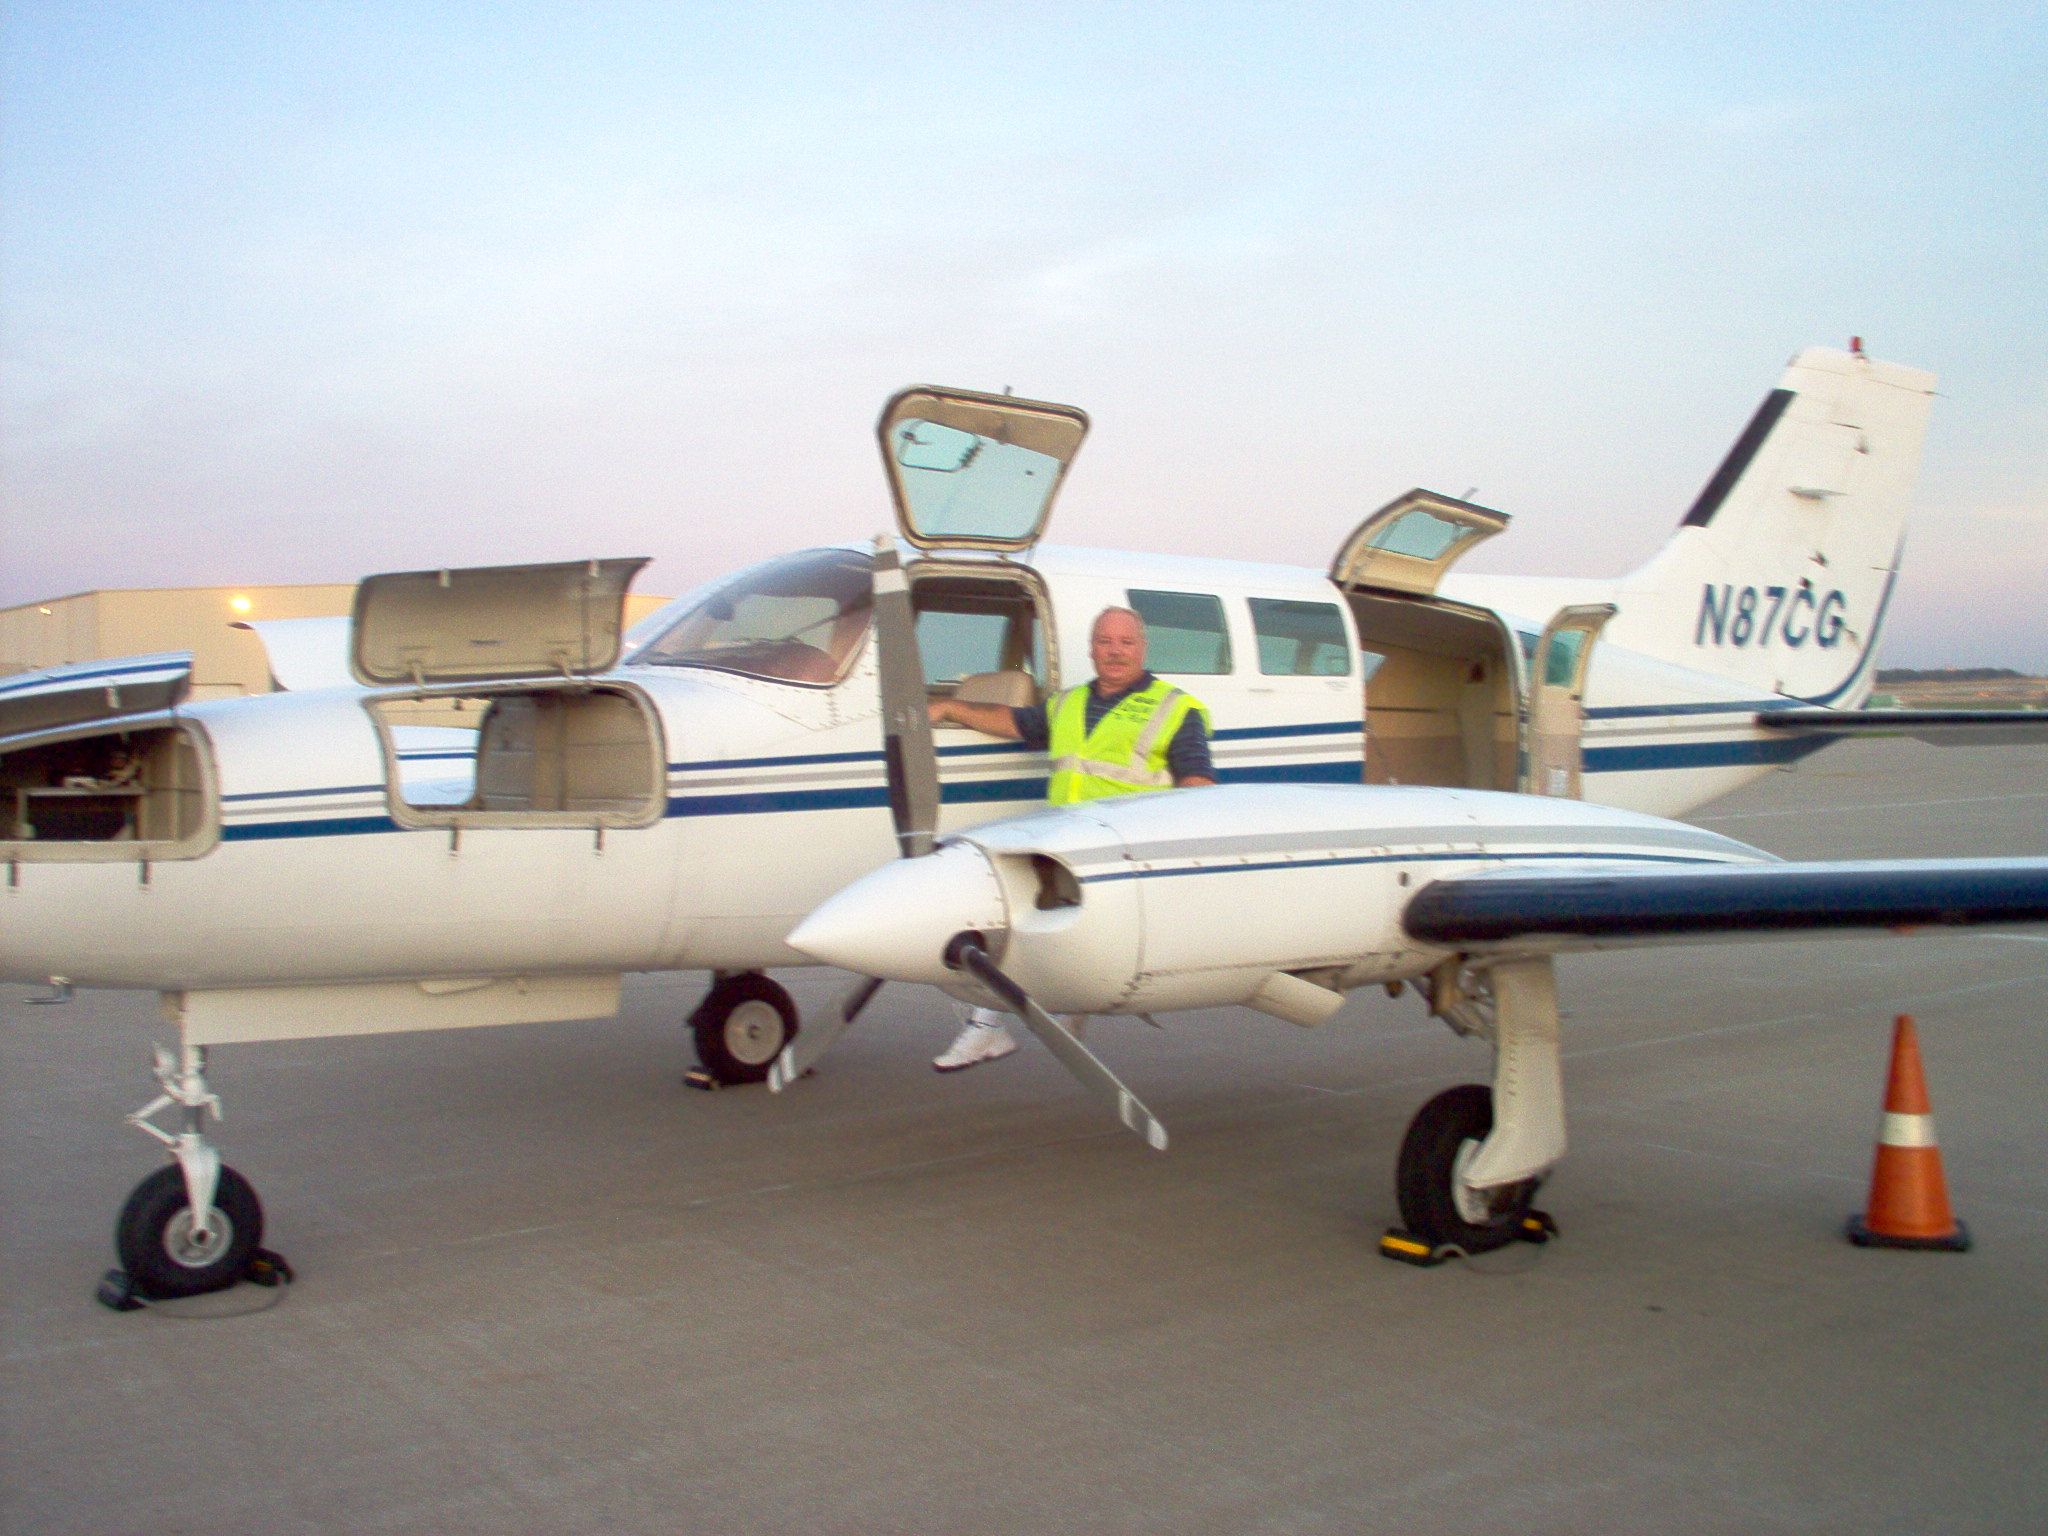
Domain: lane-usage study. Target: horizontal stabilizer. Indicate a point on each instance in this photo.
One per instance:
(1939, 727)
(1623, 906)
(304, 653)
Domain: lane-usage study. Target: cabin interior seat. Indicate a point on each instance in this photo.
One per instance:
(1014, 689)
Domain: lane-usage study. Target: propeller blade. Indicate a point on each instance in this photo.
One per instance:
(802, 1053)
(1073, 1055)
(913, 767)
(913, 770)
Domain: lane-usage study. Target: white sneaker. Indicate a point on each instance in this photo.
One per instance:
(974, 1044)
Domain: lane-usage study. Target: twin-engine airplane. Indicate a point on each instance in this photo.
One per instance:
(1427, 777)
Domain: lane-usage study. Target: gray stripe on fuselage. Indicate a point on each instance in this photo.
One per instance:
(1486, 840)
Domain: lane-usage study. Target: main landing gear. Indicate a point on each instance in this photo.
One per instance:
(1473, 1157)
(741, 1027)
(195, 1226)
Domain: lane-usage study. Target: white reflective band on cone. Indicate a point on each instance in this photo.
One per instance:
(1907, 1130)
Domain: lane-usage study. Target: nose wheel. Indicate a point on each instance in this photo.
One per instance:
(195, 1225)
(742, 1026)
(167, 1251)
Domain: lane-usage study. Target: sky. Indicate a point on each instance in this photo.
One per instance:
(300, 292)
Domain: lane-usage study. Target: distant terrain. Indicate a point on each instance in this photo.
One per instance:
(1959, 688)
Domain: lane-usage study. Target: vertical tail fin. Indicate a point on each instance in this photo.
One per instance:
(1781, 572)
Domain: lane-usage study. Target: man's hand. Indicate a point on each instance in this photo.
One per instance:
(1194, 781)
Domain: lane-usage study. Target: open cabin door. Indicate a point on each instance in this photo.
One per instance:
(1441, 705)
(969, 471)
(973, 478)
(95, 764)
(1557, 692)
(93, 690)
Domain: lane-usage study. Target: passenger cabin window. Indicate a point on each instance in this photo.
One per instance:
(1300, 639)
(798, 619)
(1184, 632)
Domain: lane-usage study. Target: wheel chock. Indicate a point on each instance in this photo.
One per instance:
(117, 1292)
(697, 1077)
(1400, 1244)
(268, 1269)
(1536, 1227)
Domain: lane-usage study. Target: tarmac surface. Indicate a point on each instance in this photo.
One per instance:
(543, 1287)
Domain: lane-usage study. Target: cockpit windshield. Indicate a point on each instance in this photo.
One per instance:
(795, 619)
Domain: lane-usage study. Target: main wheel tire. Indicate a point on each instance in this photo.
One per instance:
(154, 1235)
(742, 1026)
(1442, 1139)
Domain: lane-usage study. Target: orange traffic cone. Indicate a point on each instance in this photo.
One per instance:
(1908, 1194)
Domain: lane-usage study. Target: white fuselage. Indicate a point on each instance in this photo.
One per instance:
(775, 797)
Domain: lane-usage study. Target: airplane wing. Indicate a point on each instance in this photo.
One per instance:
(1938, 727)
(1525, 908)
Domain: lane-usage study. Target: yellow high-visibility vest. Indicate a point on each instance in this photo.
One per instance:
(1126, 752)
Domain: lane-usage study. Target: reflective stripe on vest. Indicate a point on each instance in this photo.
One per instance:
(1126, 752)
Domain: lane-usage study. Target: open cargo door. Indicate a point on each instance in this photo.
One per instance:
(1557, 692)
(490, 623)
(1409, 543)
(1442, 702)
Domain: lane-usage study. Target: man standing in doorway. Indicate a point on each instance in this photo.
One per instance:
(1125, 733)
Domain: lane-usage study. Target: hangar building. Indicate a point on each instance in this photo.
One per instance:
(90, 626)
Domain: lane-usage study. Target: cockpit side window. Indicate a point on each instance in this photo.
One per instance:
(969, 625)
(797, 619)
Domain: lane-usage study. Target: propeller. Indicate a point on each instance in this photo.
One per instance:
(968, 952)
(912, 765)
(802, 1053)
(913, 772)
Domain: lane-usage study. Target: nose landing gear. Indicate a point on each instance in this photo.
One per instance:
(195, 1226)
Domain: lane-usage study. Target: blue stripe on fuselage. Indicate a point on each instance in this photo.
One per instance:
(337, 826)
(1027, 790)
(1744, 752)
